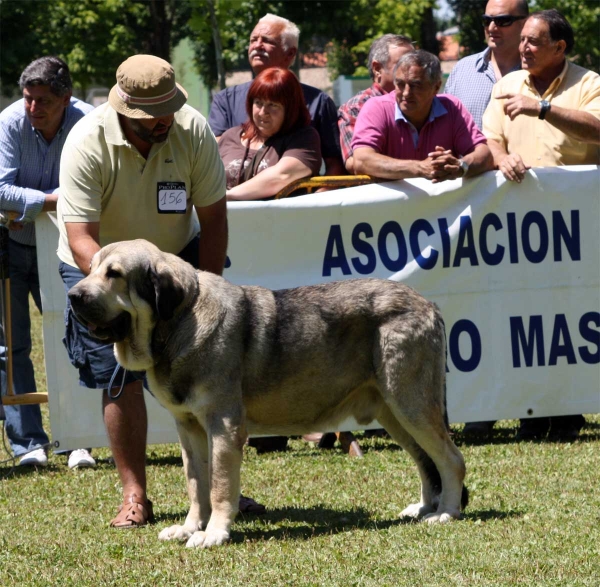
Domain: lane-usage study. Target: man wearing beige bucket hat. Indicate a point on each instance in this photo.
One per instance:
(144, 165)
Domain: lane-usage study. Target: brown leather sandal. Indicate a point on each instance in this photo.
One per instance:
(133, 513)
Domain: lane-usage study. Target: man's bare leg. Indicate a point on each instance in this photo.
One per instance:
(126, 424)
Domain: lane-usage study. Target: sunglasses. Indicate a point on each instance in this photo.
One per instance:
(502, 20)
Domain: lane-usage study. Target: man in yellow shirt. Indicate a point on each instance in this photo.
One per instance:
(143, 165)
(548, 113)
(545, 115)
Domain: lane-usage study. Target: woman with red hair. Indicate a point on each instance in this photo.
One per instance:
(276, 145)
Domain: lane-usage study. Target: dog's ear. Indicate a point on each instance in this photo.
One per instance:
(168, 290)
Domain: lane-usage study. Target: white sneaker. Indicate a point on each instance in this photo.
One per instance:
(81, 458)
(36, 458)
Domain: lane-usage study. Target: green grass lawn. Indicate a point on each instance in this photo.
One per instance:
(534, 519)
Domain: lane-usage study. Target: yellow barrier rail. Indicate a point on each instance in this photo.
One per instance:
(330, 182)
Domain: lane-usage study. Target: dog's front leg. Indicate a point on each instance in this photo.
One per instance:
(226, 441)
(194, 451)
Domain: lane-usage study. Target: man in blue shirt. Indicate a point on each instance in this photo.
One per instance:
(473, 77)
(33, 131)
(274, 43)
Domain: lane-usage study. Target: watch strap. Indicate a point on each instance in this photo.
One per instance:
(544, 107)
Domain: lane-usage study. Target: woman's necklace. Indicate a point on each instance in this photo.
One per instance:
(255, 144)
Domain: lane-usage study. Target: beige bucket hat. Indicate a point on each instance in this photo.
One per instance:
(146, 88)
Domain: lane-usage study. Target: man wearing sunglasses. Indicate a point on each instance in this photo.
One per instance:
(545, 115)
(473, 77)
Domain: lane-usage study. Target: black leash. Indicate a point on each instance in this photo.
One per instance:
(112, 380)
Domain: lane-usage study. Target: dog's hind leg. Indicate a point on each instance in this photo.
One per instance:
(430, 477)
(443, 462)
(226, 436)
(412, 384)
(451, 466)
(194, 452)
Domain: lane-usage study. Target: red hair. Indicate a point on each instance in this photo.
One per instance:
(280, 85)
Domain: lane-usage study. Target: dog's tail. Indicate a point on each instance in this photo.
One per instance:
(444, 369)
(434, 473)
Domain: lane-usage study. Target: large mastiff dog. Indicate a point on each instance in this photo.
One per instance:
(228, 361)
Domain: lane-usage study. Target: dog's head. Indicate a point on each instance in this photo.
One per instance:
(131, 286)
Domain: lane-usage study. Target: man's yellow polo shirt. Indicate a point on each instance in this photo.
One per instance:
(103, 178)
(538, 142)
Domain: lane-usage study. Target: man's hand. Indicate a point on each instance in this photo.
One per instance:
(442, 165)
(8, 219)
(513, 168)
(518, 104)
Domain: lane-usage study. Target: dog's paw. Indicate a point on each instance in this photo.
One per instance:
(416, 511)
(180, 533)
(442, 518)
(207, 539)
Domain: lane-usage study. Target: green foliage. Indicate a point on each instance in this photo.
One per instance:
(345, 28)
(360, 22)
(92, 36)
(468, 15)
(236, 19)
(584, 16)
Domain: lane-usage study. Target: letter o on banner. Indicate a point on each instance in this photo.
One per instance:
(393, 228)
(469, 364)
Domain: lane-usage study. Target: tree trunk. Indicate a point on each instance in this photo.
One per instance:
(159, 43)
(218, 45)
(428, 31)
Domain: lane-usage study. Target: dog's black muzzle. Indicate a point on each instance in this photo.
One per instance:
(90, 314)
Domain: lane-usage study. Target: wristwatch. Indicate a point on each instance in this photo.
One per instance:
(464, 166)
(544, 108)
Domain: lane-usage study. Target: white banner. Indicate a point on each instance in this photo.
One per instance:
(515, 269)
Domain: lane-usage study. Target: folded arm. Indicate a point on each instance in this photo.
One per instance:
(447, 166)
(368, 161)
(576, 124)
(268, 182)
(440, 165)
(27, 202)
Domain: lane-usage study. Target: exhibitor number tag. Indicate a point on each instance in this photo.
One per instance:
(172, 198)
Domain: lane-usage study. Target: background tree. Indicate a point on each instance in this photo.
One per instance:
(235, 20)
(92, 36)
(95, 36)
(344, 28)
(468, 17)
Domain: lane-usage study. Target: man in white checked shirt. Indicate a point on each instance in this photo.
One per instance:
(33, 131)
(473, 77)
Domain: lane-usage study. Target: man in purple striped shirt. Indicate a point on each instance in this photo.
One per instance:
(415, 133)
(33, 131)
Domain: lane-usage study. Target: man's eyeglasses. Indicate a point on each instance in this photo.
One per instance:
(502, 20)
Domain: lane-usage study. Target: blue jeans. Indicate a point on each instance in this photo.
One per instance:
(23, 423)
